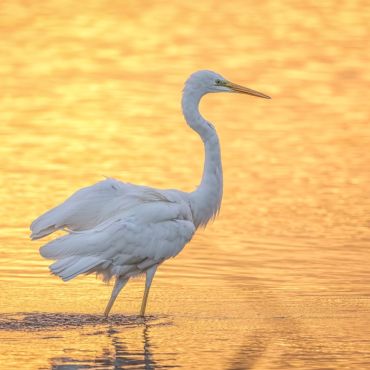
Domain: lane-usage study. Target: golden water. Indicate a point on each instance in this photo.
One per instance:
(281, 279)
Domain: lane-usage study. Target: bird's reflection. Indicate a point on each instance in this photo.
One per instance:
(124, 359)
(117, 356)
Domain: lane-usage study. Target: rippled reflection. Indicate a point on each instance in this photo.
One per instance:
(117, 356)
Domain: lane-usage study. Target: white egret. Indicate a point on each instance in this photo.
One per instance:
(120, 230)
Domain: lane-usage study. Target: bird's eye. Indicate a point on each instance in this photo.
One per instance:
(218, 82)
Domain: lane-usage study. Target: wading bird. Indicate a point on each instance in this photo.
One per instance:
(120, 230)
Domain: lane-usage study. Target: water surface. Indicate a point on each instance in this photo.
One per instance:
(281, 279)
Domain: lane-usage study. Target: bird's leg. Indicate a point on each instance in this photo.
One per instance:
(148, 282)
(118, 285)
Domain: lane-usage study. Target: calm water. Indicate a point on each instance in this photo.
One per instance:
(281, 279)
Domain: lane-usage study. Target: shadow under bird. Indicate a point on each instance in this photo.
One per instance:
(120, 230)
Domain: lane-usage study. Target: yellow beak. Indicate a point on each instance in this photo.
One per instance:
(245, 90)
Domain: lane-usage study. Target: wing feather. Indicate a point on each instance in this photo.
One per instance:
(90, 206)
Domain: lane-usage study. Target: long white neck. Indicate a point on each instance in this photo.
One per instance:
(205, 201)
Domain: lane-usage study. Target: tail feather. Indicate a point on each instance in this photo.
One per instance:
(58, 266)
(73, 255)
(73, 244)
(70, 267)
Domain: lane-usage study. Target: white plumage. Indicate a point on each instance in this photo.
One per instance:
(120, 230)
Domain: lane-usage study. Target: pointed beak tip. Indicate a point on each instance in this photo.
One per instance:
(245, 90)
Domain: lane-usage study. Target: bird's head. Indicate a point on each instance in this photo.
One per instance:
(210, 82)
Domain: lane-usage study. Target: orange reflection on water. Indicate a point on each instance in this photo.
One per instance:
(92, 89)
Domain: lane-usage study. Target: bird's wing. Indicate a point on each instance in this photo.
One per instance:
(90, 206)
(123, 245)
